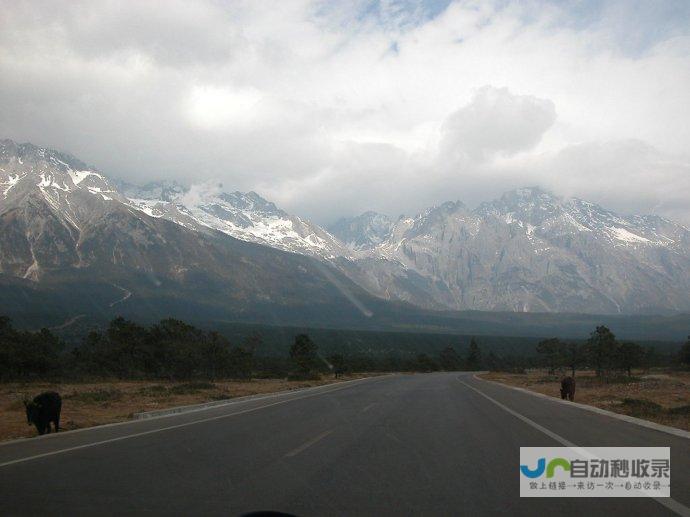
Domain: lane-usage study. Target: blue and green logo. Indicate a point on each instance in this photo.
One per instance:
(542, 467)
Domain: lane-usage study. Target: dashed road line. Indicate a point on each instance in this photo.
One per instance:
(308, 444)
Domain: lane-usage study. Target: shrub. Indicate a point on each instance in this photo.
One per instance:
(220, 396)
(548, 378)
(641, 406)
(622, 379)
(680, 410)
(303, 376)
(189, 388)
(156, 389)
(100, 395)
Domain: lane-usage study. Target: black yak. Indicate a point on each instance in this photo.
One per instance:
(44, 409)
(568, 388)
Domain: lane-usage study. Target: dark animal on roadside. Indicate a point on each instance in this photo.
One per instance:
(44, 409)
(568, 389)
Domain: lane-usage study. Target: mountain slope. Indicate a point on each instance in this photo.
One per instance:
(532, 251)
(529, 251)
(66, 233)
(245, 216)
(364, 231)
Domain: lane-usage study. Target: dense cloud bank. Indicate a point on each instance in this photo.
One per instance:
(332, 108)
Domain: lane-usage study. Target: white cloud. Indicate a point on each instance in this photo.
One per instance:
(620, 175)
(210, 107)
(496, 122)
(331, 108)
(201, 191)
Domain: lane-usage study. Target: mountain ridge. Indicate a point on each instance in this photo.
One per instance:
(527, 251)
(70, 236)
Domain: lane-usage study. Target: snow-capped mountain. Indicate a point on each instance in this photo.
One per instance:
(364, 231)
(536, 209)
(46, 199)
(57, 176)
(71, 244)
(245, 216)
(526, 251)
(532, 251)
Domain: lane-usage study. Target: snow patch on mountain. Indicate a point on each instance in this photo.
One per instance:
(246, 216)
(626, 236)
(527, 250)
(79, 176)
(531, 249)
(11, 181)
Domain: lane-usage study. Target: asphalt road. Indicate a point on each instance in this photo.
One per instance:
(435, 444)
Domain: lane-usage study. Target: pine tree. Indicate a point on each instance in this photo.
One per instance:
(601, 350)
(554, 353)
(574, 357)
(449, 359)
(474, 356)
(304, 357)
(630, 355)
(685, 354)
(338, 364)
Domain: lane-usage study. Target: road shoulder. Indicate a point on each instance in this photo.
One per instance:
(626, 418)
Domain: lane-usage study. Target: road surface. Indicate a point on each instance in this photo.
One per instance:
(433, 444)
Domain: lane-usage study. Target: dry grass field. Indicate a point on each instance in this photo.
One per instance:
(659, 396)
(96, 403)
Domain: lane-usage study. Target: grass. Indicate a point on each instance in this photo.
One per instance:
(220, 396)
(660, 396)
(188, 388)
(155, 390)
(94, 403)
(99, 395)
(641, 407)
(680, 410)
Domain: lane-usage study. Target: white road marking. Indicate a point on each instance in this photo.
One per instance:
(528, 421)
(395, 438)
(367, 408)
(637, 421)
(308, 444)
(170, 427)
(669, 503)
(194, 408)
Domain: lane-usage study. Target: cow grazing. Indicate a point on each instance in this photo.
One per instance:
(44, 409)
(568, 388)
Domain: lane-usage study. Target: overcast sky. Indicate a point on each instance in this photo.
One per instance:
(331, 108)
